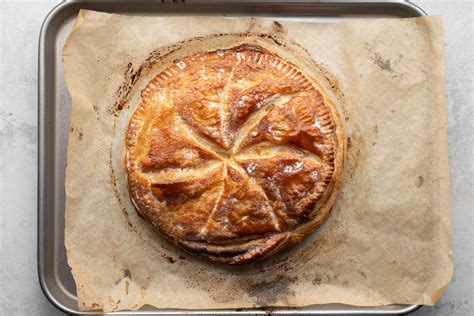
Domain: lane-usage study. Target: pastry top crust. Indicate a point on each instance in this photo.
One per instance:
(230, 154)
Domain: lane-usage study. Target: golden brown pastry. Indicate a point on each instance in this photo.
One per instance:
(234, 154)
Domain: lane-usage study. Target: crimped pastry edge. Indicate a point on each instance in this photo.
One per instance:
(258, 249)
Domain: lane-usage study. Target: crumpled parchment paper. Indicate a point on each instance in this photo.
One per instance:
(388, 239)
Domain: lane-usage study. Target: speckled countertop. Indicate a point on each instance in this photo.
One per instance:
(20, 23)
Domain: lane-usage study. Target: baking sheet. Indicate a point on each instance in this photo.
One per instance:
(412, 85)
(54, 107)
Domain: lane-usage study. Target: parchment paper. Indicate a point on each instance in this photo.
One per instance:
(388, 239)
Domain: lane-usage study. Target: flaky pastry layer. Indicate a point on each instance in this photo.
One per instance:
(234, 154)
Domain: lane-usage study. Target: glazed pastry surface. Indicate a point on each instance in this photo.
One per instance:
(231, 154)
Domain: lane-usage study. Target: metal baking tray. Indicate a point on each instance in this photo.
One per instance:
(53, 119)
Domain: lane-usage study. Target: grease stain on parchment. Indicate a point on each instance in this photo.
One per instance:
(387, 65)
(268, 292)
(383, 64)
(77, 130)
(419, 182)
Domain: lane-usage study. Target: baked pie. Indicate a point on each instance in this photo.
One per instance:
(234, 154)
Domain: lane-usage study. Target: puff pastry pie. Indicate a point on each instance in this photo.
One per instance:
(233, 154)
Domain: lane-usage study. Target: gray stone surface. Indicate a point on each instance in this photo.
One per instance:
(20, 23)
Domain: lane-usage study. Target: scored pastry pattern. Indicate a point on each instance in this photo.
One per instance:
(230, 145)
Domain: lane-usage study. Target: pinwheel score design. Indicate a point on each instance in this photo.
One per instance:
(234, 154)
